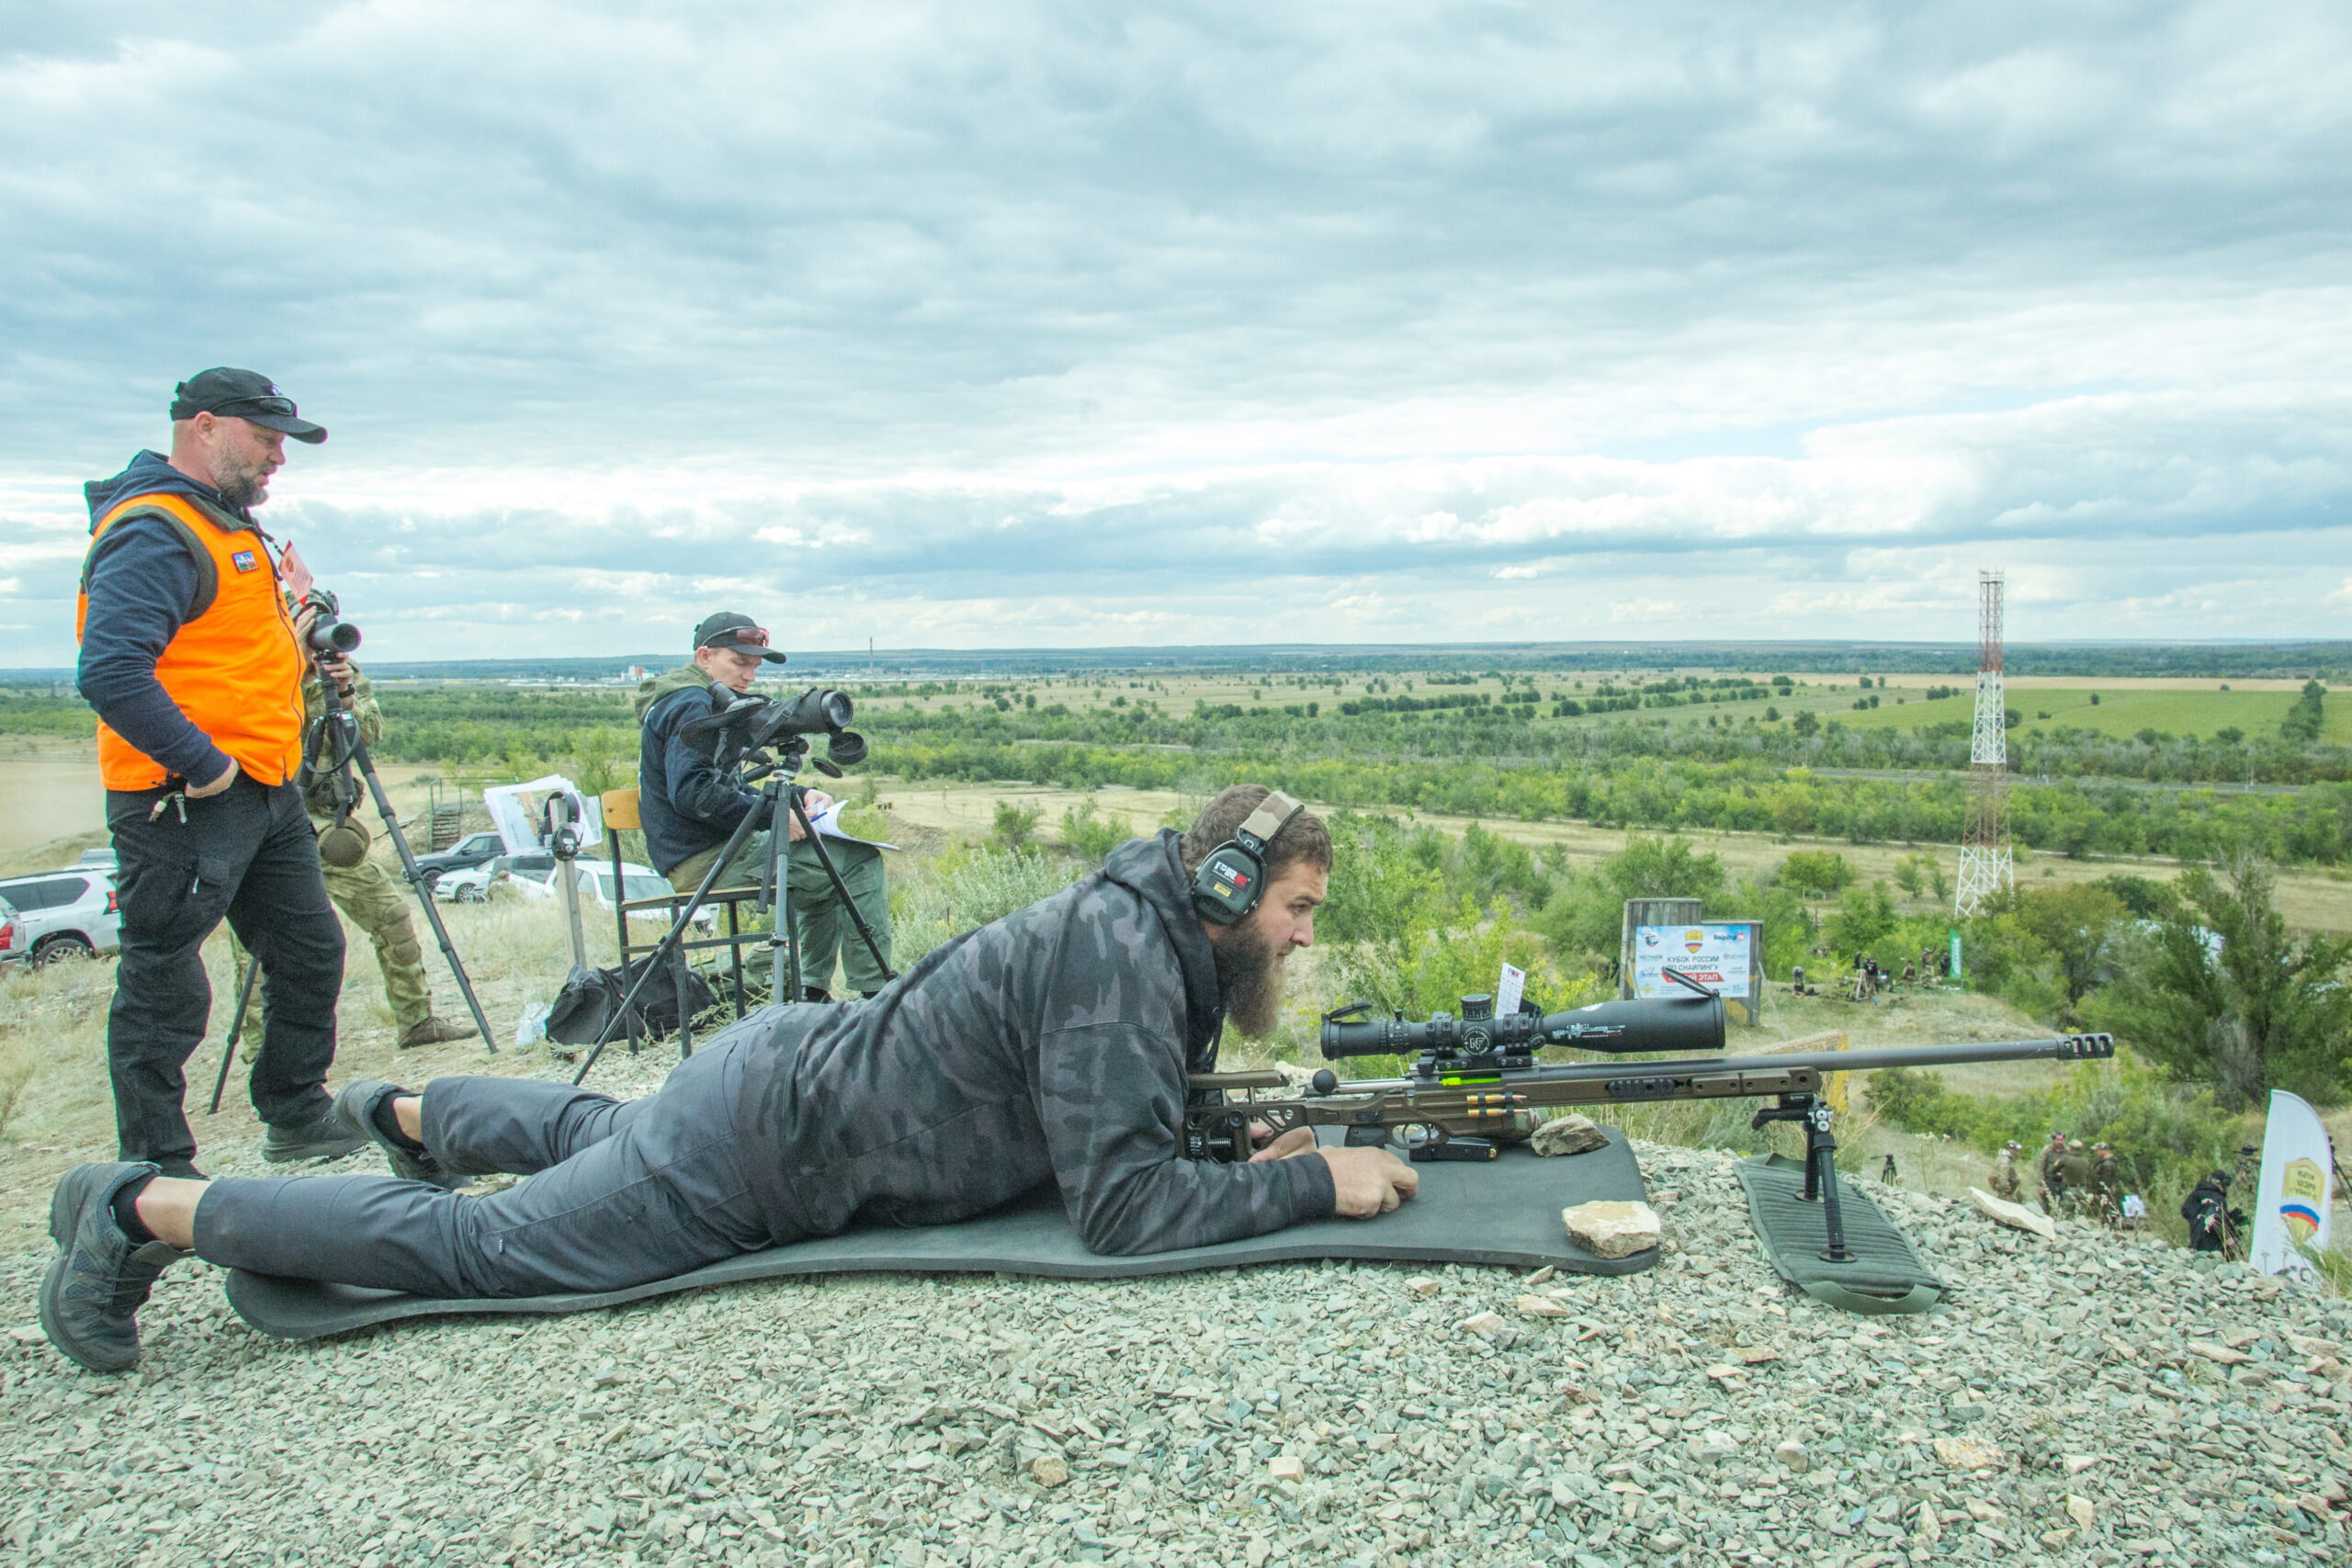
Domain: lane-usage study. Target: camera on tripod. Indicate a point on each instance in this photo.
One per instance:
(330, 635)
(752, 724)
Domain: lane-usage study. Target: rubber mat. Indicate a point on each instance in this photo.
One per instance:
(1503, 1211)
(1885, 1276)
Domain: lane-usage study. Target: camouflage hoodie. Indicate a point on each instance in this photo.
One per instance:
(1050, 1045)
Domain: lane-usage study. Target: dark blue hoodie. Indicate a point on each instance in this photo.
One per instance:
(142, 585)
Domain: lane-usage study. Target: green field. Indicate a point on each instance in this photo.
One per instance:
(2116, 714)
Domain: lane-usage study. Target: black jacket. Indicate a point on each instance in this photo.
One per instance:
(143, 583)
(1050, 1045)
(687, 800)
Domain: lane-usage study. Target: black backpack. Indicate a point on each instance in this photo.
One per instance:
(590, 1001)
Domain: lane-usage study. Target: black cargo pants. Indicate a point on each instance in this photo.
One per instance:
(246, 853)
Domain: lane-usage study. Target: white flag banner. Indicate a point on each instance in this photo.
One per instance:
(515, 811)
(2294, 1199)
(1509, 989)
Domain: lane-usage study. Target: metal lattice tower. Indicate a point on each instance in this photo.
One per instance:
(1986, 866)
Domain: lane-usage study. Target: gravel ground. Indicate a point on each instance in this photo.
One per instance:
(2104, 1402)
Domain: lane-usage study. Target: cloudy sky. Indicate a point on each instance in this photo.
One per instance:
(1023, 325)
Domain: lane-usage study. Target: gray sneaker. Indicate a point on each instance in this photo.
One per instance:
(91, 1296)
(354, 1107)
(325, 1136)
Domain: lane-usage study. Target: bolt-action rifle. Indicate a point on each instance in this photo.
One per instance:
(1475, 1081)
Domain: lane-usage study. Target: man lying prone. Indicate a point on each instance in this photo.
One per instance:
(1051, 1045)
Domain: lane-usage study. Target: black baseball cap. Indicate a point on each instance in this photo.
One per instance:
(243, 394)
(728, 630)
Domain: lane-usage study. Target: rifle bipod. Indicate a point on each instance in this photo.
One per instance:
(1820, 1163)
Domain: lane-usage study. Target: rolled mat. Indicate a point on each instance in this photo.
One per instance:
(1504, 1211)
(1885, 1277)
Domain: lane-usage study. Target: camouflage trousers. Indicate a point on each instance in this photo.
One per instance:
(819, 917)
(377, 903)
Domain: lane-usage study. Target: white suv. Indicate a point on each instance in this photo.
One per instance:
(60, 914)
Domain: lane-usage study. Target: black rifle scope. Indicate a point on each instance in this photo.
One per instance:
(1681, 1023)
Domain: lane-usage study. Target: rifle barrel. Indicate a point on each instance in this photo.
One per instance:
(2061, 1048)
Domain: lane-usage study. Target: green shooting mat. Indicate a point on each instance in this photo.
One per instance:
(1885, 1276)
(1505, 1212)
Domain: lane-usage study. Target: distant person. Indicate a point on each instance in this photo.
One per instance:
(2053, 1183)
(359, 886)
(690, 802)
(1910, 976)
(193, 657)
(1886, 1169)
(2007, 1182)
(2075, 1168)
(2213, 1224)
(2107, 1182)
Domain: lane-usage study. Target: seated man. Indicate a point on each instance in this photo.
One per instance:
(1051, 1045)
(691, 803)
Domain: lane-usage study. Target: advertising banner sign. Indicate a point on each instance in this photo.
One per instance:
(1719, 955)
(2294, 1198)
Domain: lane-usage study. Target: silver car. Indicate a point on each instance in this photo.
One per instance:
(60, 914)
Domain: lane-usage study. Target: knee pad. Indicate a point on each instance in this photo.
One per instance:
(343, 845)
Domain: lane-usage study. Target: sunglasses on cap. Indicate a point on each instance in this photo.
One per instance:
(283, 407)
(755, 636)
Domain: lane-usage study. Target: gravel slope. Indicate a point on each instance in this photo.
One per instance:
(1334, 1414)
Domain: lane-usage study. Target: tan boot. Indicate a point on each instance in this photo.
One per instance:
(434, 1031)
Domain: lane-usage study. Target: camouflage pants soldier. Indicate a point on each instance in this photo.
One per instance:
(820, 918)
(378, 905)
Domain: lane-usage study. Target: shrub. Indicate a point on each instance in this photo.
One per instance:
(1087, 836)
(2220, 992)
(939, 897)
(1016, 825)
(1817, 874)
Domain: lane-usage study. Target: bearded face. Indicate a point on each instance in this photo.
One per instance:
(1250, 979)
(241, 479)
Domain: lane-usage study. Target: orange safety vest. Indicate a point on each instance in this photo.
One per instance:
(234, 667)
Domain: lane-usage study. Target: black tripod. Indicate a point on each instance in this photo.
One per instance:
(1820, 1163)
(334, 750)
(777, 790)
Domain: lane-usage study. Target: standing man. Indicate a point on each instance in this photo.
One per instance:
(692, 802)
(2007, 1183)
(2074, 1167)
(2107, 1184)
(2053, 1182)
(194, 664)
(359, 886)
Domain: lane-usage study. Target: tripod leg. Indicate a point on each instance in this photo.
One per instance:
(682, 978)
(671, 943)
(841, 889)
(1821, 1154)
(236, 1029)
(775, 901)
(415, 880)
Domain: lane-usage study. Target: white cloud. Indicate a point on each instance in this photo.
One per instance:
(937, 325)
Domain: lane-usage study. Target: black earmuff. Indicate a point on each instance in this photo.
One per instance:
(1233, 878)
